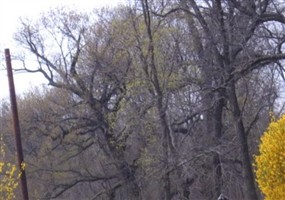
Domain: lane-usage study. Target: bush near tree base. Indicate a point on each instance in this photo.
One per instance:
(9, 179)
(270, 163)
(10, 175)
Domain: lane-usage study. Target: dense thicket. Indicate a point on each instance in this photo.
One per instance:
(160, 99)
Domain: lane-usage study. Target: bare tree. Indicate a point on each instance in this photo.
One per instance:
(158, 100)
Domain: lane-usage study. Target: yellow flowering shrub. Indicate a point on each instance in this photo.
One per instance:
(270, 163)
(9, 180)
(9, 175)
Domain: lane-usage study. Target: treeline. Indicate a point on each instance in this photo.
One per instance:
(160, 99)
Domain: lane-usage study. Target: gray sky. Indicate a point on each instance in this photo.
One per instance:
(10, 12)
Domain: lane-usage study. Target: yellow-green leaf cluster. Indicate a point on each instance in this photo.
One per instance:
(9, 175)
(270, 163)
(9, 180)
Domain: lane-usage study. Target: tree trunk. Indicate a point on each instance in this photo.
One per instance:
(250, 190)
(214, 125)
(213, 115)
(218, 126)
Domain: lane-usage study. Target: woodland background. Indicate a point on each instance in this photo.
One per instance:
(161, 99)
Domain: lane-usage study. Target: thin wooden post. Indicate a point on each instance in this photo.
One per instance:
(16, 125)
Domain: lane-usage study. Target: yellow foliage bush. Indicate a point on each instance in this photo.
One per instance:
(9, 176)
(9, 180)
(270, 163)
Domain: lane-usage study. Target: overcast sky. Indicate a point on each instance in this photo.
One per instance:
(11, 11)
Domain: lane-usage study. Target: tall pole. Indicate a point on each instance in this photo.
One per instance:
(16, 125)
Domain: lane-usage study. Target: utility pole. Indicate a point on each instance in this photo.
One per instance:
(16, 125)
